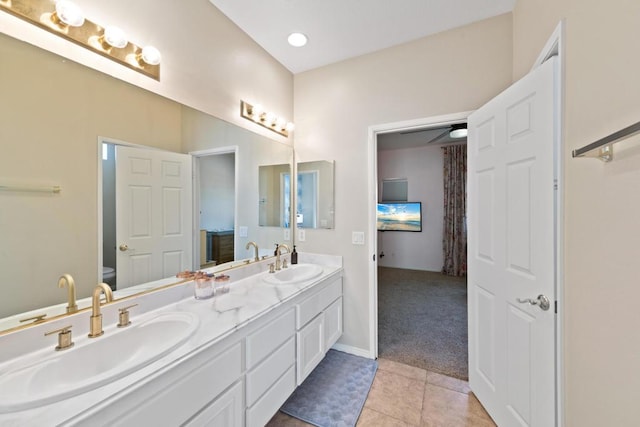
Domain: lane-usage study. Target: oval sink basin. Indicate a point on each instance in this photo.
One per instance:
(294, 274)
(48, 376)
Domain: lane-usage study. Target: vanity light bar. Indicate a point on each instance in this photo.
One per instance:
(65, 19)
(257, 114)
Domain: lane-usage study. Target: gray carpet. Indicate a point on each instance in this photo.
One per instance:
(422, 320)
(334, 392)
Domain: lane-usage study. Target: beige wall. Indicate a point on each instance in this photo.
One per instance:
(449, 72)
(208, 63)
(602, 203)
(49, 128)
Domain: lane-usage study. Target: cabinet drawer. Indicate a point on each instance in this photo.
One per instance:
(265, 340)
(267, 372)
(266, 407)
(312, 306)
(175, 396)
(226, 411)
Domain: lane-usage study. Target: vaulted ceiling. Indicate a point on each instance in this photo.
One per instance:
(341, 29)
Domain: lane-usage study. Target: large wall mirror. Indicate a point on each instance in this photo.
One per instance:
(314, 194)
(52, 115)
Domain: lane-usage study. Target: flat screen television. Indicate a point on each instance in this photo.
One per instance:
(400, 216)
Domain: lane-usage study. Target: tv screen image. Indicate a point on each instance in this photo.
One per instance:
(405, 216)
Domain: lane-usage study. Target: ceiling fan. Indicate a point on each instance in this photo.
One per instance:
(453, 132)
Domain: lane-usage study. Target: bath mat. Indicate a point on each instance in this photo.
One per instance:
(334, 393)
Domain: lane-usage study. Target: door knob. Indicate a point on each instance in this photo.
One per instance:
(123, 247)
(542, 301)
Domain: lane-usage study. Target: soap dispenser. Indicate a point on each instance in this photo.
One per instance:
(294, 256)
(276, 251)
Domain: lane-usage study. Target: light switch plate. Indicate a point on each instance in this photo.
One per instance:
(357, 237)
(287, 234)
(301, 235)
(243, 231)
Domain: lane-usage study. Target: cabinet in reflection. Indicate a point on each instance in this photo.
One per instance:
(220, 246)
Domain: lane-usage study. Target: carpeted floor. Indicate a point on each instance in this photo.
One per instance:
(422, 320)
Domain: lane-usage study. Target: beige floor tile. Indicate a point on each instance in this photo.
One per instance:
(371, 418)
(396, 396)
(448, 382)
(402, 369)
(283, 420)
(447, 408)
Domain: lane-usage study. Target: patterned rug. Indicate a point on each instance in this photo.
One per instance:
(334, 393)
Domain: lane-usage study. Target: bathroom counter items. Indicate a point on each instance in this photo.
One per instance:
(242, 340)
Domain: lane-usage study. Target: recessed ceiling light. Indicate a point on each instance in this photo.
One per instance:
(297, 39)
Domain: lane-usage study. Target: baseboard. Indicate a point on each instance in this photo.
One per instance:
(353, 350)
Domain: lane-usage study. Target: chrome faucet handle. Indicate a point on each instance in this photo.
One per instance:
(284, 263)
(272, 268)
(123, 317)
(64, 337)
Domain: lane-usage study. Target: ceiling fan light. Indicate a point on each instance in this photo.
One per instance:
(458, 132)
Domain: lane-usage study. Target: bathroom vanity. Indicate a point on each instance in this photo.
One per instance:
(231, 360)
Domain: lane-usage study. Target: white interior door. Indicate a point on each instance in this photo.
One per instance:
(153, 215)
(512, 253)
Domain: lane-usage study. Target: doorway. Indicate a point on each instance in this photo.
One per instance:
(422, 313)
(215, 204)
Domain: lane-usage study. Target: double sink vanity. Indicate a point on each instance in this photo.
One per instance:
(231, 360)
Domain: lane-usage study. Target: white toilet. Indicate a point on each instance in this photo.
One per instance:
(109, 276)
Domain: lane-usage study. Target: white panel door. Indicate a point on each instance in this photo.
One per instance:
(511, 203)
(153, 215)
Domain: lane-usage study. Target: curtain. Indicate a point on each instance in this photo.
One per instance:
(454, 241)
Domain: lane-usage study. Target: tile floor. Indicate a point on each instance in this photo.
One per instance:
(402, 396)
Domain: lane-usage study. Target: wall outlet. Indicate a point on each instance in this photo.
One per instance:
(301, 235)
(243, 231)
(357, 237)
(287, 234)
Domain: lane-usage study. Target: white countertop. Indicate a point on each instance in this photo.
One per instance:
(248, 299)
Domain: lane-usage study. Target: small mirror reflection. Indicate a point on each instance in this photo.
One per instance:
(315, 195)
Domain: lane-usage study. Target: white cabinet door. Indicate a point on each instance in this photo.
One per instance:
(225, 411)
(332, 323)
(310, 347)
(511, 251)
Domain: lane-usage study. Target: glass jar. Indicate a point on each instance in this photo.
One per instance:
(203, 287)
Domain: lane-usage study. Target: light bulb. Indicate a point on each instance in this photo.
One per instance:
(281, 123)
(257, 110)
(270, 118)
(290, 127)
(115, 37)
(150, 55)
(69, 13)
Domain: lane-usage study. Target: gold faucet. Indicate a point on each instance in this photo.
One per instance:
(95, 324)
(72, 307)
(280, 246)
(255, 248)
